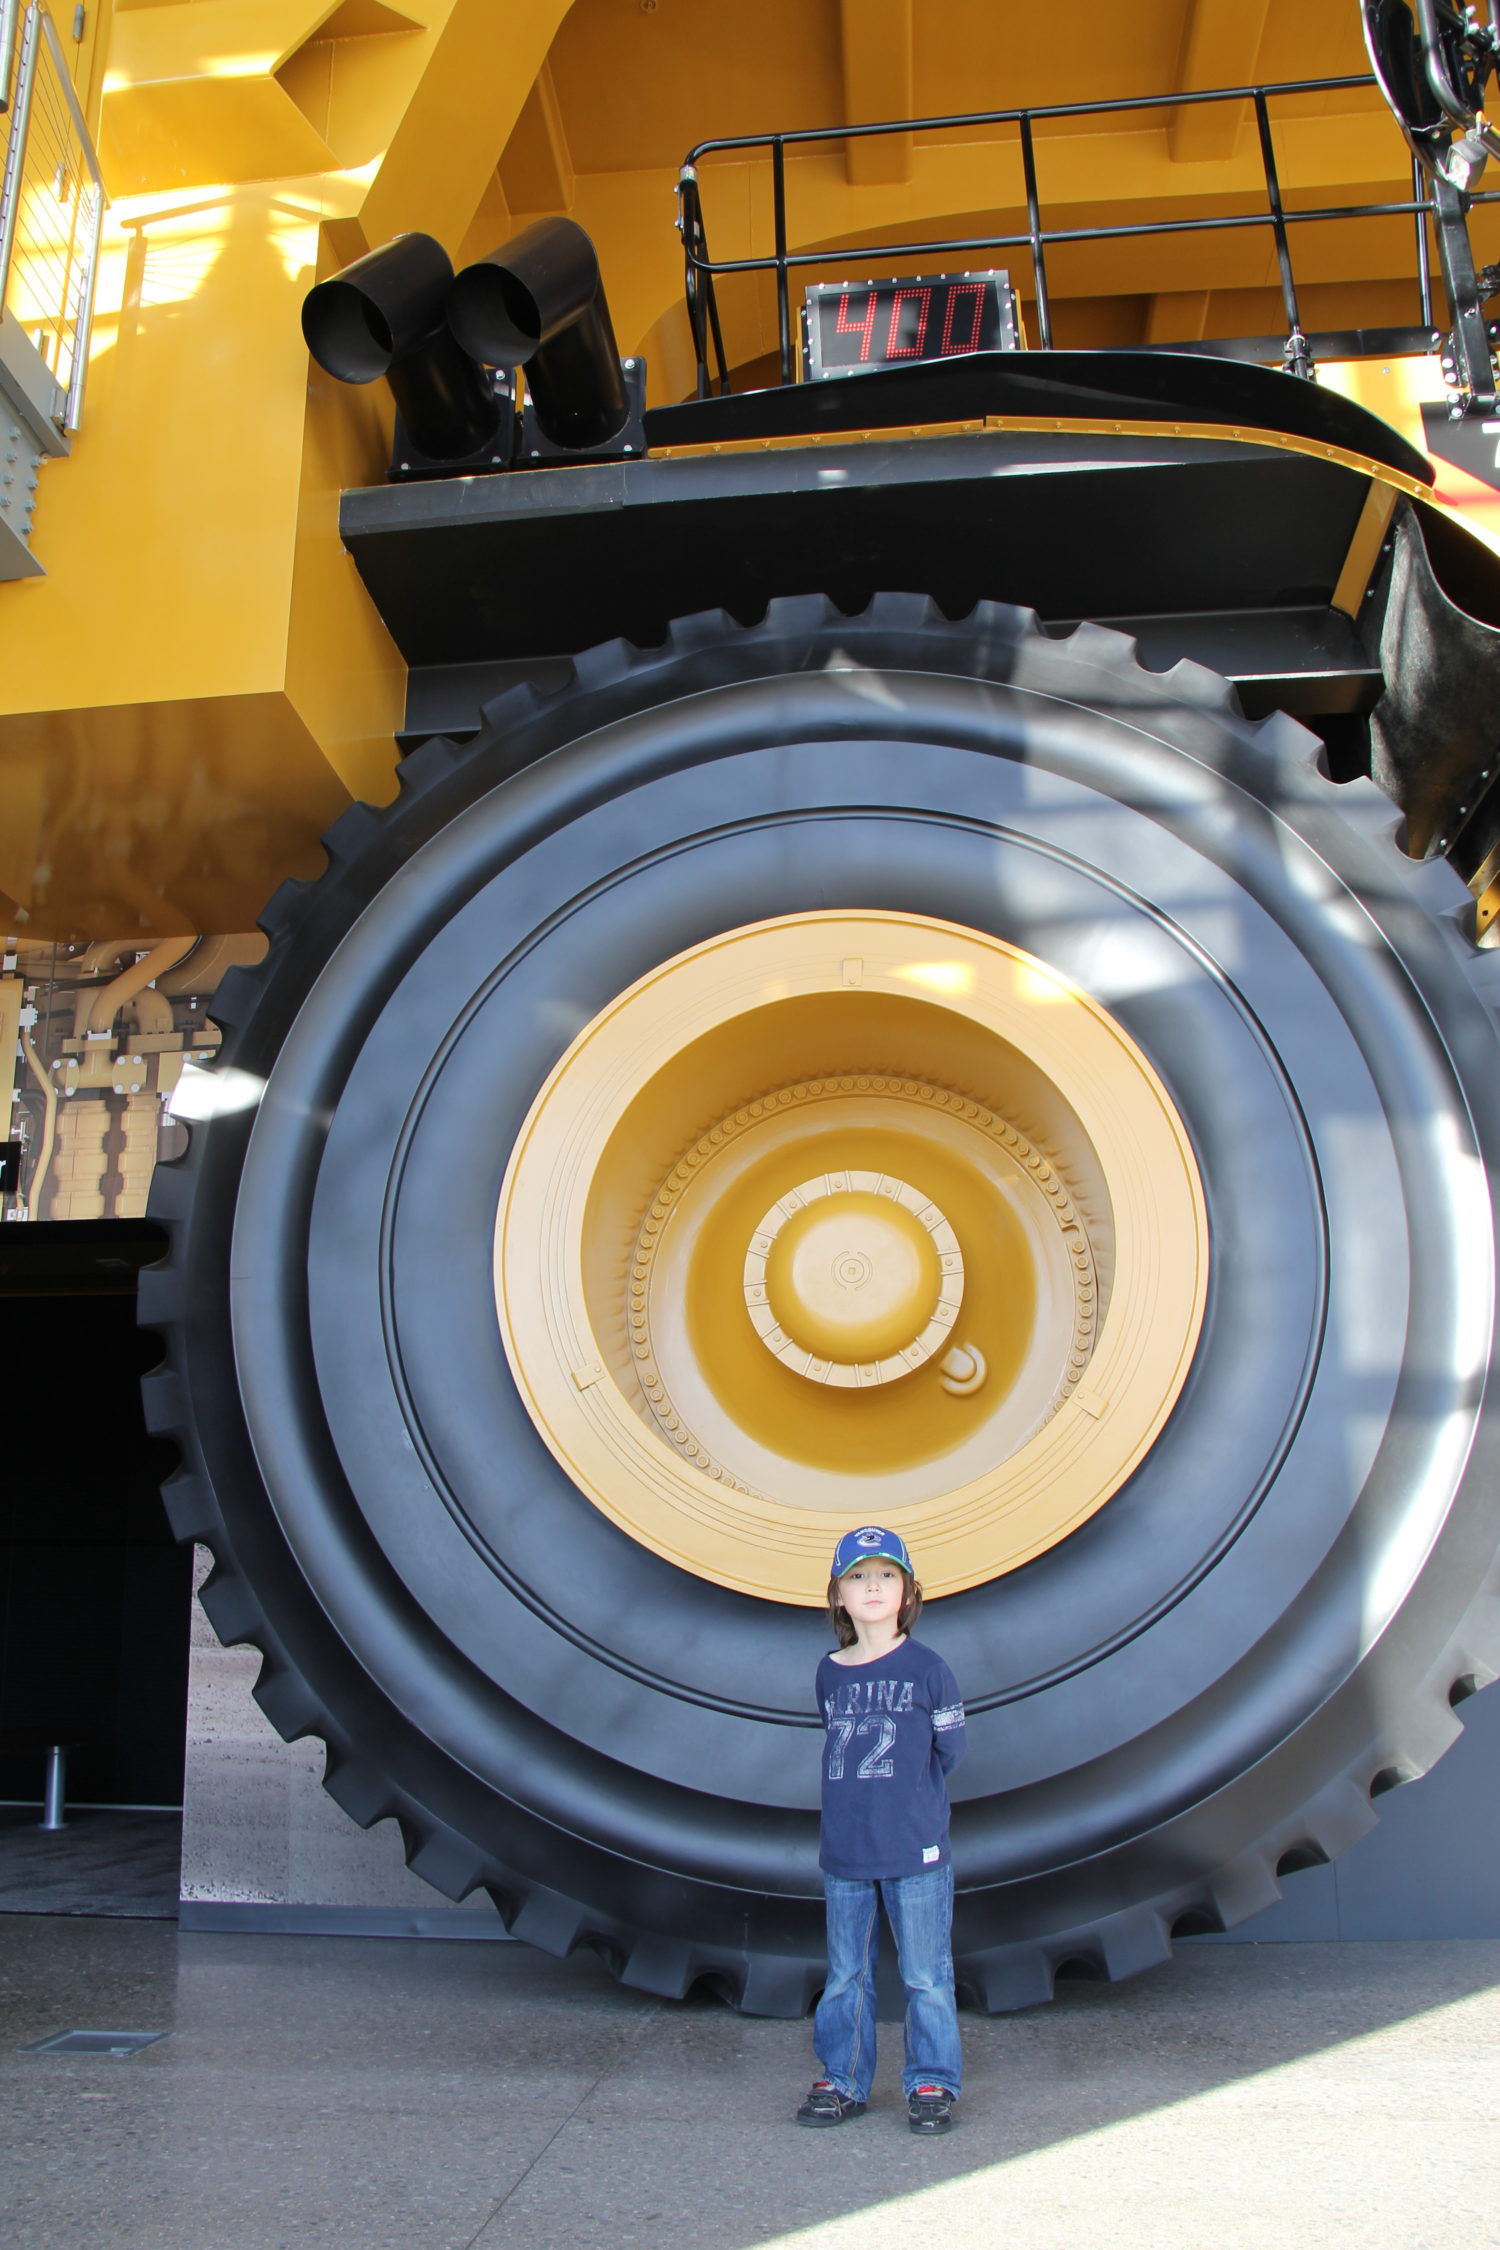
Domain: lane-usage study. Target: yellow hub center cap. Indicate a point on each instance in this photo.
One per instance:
(853, 1278)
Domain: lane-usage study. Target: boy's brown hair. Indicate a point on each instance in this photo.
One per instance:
(843, 1623)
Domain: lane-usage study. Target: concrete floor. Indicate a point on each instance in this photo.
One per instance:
(104, 1862)
(420, 2096)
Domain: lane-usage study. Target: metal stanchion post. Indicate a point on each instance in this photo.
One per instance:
(56, 1787)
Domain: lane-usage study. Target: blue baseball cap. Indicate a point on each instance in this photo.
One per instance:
(860, 1546)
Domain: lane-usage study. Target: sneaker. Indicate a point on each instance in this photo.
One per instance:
(825, 2105)
(929, 2109)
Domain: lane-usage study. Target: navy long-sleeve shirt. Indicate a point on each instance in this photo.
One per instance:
(895, 1730)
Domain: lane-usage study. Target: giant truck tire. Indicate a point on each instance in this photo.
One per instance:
(516, 1555)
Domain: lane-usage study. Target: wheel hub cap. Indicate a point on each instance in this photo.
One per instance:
(853, 1278)
(850, 1216)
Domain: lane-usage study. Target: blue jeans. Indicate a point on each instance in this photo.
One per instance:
(921, 1914)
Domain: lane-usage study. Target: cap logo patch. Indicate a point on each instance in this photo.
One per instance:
(868, 1538)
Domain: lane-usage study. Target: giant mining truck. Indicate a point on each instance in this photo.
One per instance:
(926, 961)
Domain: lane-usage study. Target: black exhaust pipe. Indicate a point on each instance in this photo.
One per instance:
(384, 315)
(538, 301)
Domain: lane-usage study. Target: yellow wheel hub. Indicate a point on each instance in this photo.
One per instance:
(850, 1216)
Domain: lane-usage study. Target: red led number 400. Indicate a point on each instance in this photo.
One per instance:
(901, 320)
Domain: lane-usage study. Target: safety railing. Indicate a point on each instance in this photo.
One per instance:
(703, 271)
(51, 201)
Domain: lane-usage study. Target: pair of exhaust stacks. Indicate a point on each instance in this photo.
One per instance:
(536, 302)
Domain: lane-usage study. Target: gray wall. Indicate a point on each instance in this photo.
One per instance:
(1430, 1868)
(263, 1844)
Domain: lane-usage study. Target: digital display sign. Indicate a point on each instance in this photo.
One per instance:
(848, 326)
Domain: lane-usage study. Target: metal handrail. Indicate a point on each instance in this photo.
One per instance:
(702, 271)
(10, 11)
(15, 147)
(85, 320)
(72, 308)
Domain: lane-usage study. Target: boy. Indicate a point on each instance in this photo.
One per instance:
(895, 1729)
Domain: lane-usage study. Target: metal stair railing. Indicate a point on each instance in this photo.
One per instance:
(51, 203)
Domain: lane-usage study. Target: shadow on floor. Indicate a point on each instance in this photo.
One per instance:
(103, 1862)
(332, 2092)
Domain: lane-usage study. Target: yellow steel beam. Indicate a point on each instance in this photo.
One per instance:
(353, 77)
(191, 94)
(491, 224)
(536, 171)
(1177, 316)
(1220, 45)
(200, 683)
(876, 55)
(481, 63)
(1364, 547)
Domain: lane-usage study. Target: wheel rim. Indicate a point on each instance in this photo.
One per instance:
(955, 1280)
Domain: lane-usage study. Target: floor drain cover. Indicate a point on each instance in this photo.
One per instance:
(114, 2043)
